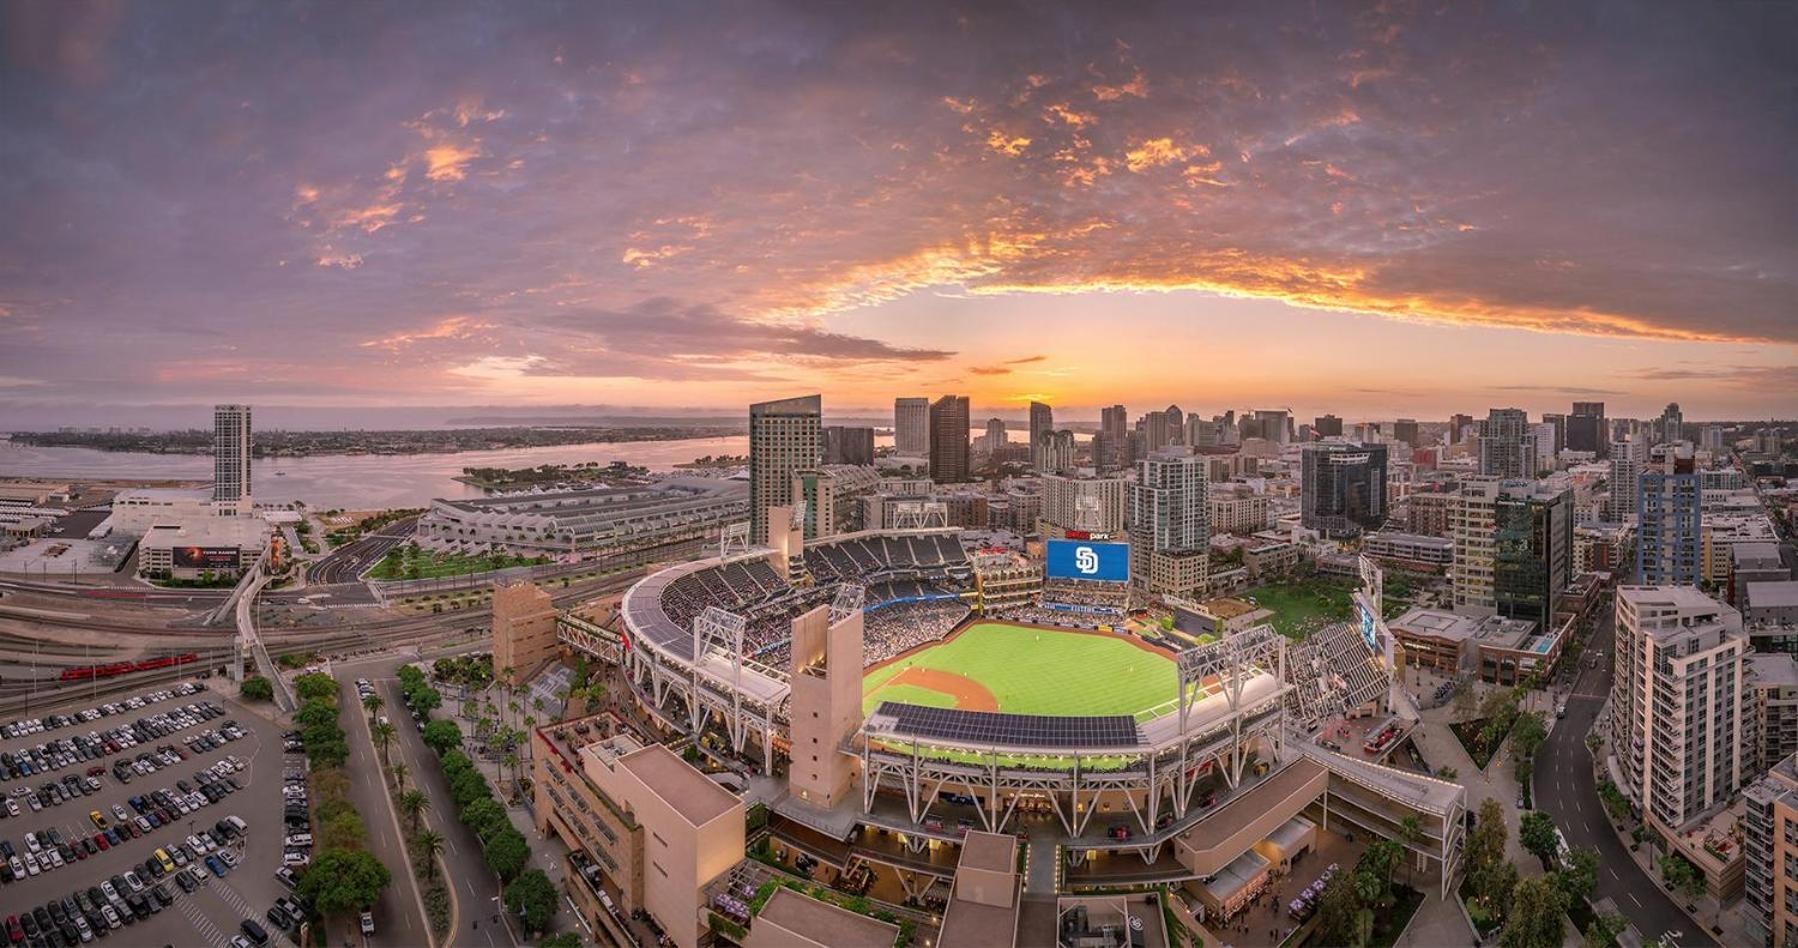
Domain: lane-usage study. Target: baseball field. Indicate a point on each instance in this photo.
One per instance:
(997, 666)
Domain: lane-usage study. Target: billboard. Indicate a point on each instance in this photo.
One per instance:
(1081, 559)
(205, 557)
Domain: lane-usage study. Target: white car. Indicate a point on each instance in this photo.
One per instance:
(131, 879)
(31, 866)
(227, 857)
(106, 888)
(298, 840)
(112, 916)
(291, 859)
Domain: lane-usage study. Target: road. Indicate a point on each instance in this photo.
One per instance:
(1563, 787)
(399, 915)
(346, 563)
(476, 889)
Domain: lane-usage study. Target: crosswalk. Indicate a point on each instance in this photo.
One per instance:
(209, 932)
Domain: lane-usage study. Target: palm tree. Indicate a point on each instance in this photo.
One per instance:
(399, 775)
(430, 843)
(511, 760)
(384, 732)
(373, 703)
(414, 803)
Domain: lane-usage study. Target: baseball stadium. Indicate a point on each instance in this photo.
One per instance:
(892, 691)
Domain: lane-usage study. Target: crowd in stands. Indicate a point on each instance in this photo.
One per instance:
(1061, 618)
(1113, 595)
(902, 589)
(899, 628)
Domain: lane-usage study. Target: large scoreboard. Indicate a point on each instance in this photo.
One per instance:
(1087, 560)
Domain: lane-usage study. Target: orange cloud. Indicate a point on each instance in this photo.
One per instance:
(1137, 87)
(1010, 145)
(1156, 152)
(450, 327)
(449, 162)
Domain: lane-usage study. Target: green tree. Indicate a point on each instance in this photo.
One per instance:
(1486, 843)
(257, 688)
(1527, 736)
(1603, 931)
(1380, 860)
(560, 940)
(426, 700)
(1682, 875)
(383, 732)
(414, 803)
(1337, 909)
(1579, 877)
(507, 853)
(342, 880)
(533, 898)
(400, 770)
(1493, 886)
(1535, 919)
(315, 686)
(442, 736)
(486, 817)
(1536, 831)
(429, 843)
(373, 703)
(316, 713)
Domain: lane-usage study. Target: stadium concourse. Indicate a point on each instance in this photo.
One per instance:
(886, 716)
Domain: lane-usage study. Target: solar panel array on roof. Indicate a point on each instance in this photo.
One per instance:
(1011, 730)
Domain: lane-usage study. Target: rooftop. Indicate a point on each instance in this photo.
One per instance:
(822, 923)
(994, 852)
(1773, 594)
(1493, 631)
(697, 799)
(1774, 668)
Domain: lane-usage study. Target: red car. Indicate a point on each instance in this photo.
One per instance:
(100, 841)
(13, 931)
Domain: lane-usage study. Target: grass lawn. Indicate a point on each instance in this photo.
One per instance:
(412, 563)
(1301, 607)
(1036, 671)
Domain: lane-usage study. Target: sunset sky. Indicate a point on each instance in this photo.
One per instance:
(1401, 209)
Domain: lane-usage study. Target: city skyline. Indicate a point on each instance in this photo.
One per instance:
(1377, 212)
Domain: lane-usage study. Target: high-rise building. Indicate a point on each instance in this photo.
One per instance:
(949, 440)
(911, 427)
(1770, 857)
(1201, 432)
(1343, 487)
(1405, 430)
(1155, 433)
(1671, 424)
(1327, 426)
(1170, 530)
(848, 445)
(1513, 548)
(1542, 435)
(833, 498)
(1275, 425)
(1057, 452)
(1628, 459)
(785, 437)
(1042, 422)
(1587, 429)
(1710, 438)
(1506, 448)
(231, 454)
(996, 435)
(1677, 702)
(1457, 427)
(1670, 508)
(1089, 505)
(1176, 425)
(1113, 442)
(1559, 423)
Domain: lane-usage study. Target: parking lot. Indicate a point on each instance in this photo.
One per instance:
(112, 831)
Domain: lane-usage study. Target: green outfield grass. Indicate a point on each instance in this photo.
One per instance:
(1038, 671)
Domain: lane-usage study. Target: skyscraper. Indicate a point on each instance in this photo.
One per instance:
(1170, 529)
(911, 426)
(1513, 547)
(1327, 426)
(1677, 702)
(1628, 458)
(230, 453)
(1672, 423)
(1176, 425)
(785, 437)
(1154, 432)
(996, 435)
(1342, 487)
(1042, 422)
(1058, 452)
(1457, 427)
(1669, 504)
(1506, 447)
(848, 445)
(1114, 429)
(1275, 424)
(1405, 430)
(1586, 429)
(949, 439)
